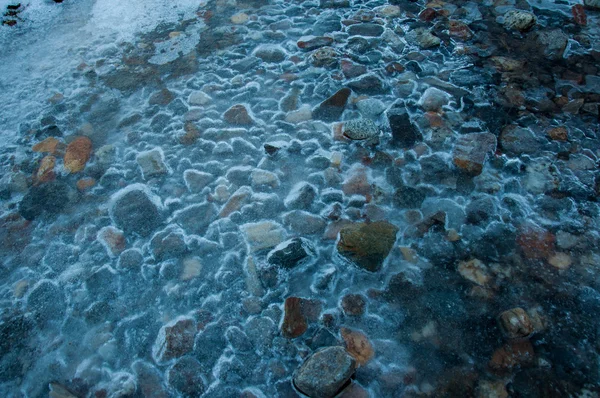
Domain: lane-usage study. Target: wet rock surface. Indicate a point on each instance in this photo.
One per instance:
(267, 199)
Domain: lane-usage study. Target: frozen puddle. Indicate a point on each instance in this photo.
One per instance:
(279, 199)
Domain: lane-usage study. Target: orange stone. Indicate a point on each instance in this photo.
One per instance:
(78, 153)
(535, 242)
(513, 354)
(358, 345)
(85, 183)
(294, 321)
(46, 171)
(558, 134)
(48, 145)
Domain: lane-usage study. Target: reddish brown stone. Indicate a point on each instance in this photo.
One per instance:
(358, 345)
(238, 115)
(49, 145)
(428, 15)
(45, 172)
(294, 321)
(175, 340)
(350, 69)
(471, 151)
(459, 30)
(85, 183)
(192, 133)
(15, 232)
(579, 14)
(515, 323)
(354, 304)
(558, 134)
(78, 153)
(535, 242)
(514, 353)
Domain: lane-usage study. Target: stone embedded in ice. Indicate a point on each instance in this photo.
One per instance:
(552, 43)
(332, 108)
(471, 151)
(238, 115)
(360, 129)
(46, 301)
(365, 29)
(367, 245)
(51, 197)
(423, 38)
(162, 97)
(238, 339)
(302, 114)
(309, 43)
(474, 271)
(168, 243)
(196, 180)
(301, 196)
(239, 18)
(433, 99)
(324, 57)
(404, 133)
(291, 253)
(516, 140)
(185, 376)
(325, 372)
(77, 154)
(113, 240)
(353, 304)
(294, 321)
(263, 235)
(270, 53)
(358, 345)
(369, 84)
(135, 209)
(519, 20)
(195, 219)
(130, 260)
(264, 178)
(152, 163)
(174, 339)
(515, 323)
(149, 380)
(199, 98)
(303, 222)
(370, 107)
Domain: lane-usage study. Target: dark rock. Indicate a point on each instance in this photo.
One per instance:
(325, 372)
(310, 43)
(354, 304)
(291, 253)
(134, 209)
(552, 43)
(367, 245)
(168, 243)
(185, 376)
(516, 140)
(365, 29)
(368, 84)
(324, 57)
(471, 150)
(351, 70)
(195, 219)
(149, 380)
(51, 197)
(162, 97)
(238, 115)
(404, 133)
(174, 340)
(246, 64)
(270, 53)
(301, 196)
(408, 198)
(294, 322)
(46, 301)
(481, 210)
(332, 108)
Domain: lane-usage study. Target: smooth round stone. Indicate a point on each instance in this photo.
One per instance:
(135, 209)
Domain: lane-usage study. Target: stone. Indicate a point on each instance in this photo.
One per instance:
(15, 232)
(58, 390)
(408, 198)
(303, 114)
(238, 115)
(471, 150)
(45, 172)
(303, 222)
(185, 376)
(270, 53)
(332, 108)
(365, 29)
(195, 219)
(51, 197)
(152, 163)
(516, 140)
(235, 201)
(360, 129)
(263, 235)
(552, 43)
(49, 145)
(301, 196)
(519, 20)
(592, 3)
(459, 30)
(149, 380)
(358, 345)
(309, 43)
(196, 180)
(264, 178)
(46, 301)
(291, 253)
(354, 304)
(558, 134)
(433, 99)
(351, 70)
(357, 182)
(130, 260)
(162, 97)
(325, 372)
(423, 38)
(367, 245)
(324, 57)
(404, 133)
(368, 84)
(491, 389)
(474, 271)
(174, 340)
(515, 323)
(77, 154)
(113, 240)
(560, 261)
(239, 18)
(199, 98)
(135, 209)
(535, 242)
(370, 107)
(168, 243)
(294, 322)
(511, 355)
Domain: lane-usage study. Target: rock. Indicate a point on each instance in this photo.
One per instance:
(301, 196)
(303, 222)
(515, 323)
(239, 18)
(365, 29)
(351, 70)
(433, 99)
(46, 301)
(195, 219)
(185, 376)
(519, 20)
(354, 304)
(360, 129)
(294, 322)
(238, 115)
(149, 380)
(535, 242)
(459, 30)
(310, 43)
(174, 340)
(58, 390)
(15, 232)
(388, 11)
(49, 145)
(196, 180)
(45, 172)
(471, 151)
(324, 57)
(263, 235)
(552, 43)
(491, 389)
(264, 178)
(77, 154)
(325, 372)
(408, 198)
(162, 97)
(558, 134)
(474, 271)
(113, 240)
(270, 53)
(357, 182)
(199, 98)
(332, 108)
(423, 38)
(560, 261)
(168, 243)
(51, 197)
(404, 133)
(235, 201)
(130, 260)
(368, 84)
(370, 107)
(367, 245)
(300, 115)
(152, 163)
(358, 345)
(135, 209)
(511, 355)
(515, 140)
(291, 253)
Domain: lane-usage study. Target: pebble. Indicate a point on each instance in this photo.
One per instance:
(238, 115)
(519, 20)
(515, 323)
(264, 178)
(51, 197)
(474, 271)
(433, 99)
(358, 345)
(199, 98)
(270, 53)
(152, 163)
(301, 196)
(324, 373)
(365, 29)
(423, 38)
(471, 151)
(310, 43)
(291, 253)
(332, 108)
(239, 18)
(367, 245)
(174, 340)
(263, 235)
(360, 129)
(135, 209)
(77, 154)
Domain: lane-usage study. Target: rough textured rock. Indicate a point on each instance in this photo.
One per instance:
(404, 133)
(291, 253)
(515, 323)
(174, 340)
(358, 345)
(238, 115)
(301, 196)
(471, 151)
(519, 20)
(51, 197)
(151, 163)
(135, 209)
(365, 29)
(310, 43)
(367, 245)
(77, 154)
(324, 373)
(185, 376)
(360, 129)
(368, 84)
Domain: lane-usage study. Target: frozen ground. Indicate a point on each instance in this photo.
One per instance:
(276, 199)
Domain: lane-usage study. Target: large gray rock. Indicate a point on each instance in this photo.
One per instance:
(135, 209)
(195, 219)
(325, 372)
